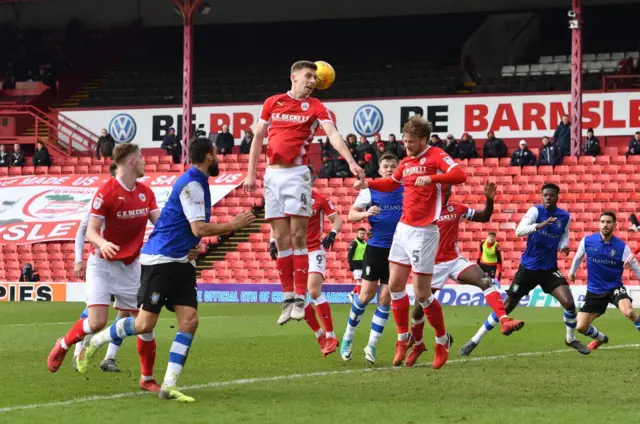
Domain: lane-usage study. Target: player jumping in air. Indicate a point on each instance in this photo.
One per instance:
(321, 207)
(547, 228)
(606, 257)
(416, 238)
(109, 364)
(120, 210)
(317, 265)
(383, 209)
(168, 276)
(451, 264)
(291, 119)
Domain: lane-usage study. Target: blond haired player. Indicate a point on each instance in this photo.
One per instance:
(415, 241)
(119, 213)
(291, 119)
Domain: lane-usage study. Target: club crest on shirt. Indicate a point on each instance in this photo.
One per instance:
(97, 203)
(305, 106)
(142, 197)
(612, 253)
(450, 208)
(422, 161)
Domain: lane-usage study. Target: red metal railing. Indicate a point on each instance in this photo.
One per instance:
(65, 135)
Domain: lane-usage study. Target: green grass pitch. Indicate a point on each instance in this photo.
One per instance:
(243, 368)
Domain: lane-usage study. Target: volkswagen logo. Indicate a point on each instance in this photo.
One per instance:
(123, 128)
(368, 120)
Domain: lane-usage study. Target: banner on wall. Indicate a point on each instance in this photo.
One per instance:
(521, 116)
(42, 208)
(450, 295)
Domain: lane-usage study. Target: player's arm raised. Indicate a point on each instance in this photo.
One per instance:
(629, 258)
(528, 223)
(452, 173)
(340, 145)
(485, 214)
(384, 184)
(254, 155)
(193, 205)
(362, 208)
(577, 260)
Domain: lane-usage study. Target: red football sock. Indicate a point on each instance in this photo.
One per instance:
(300, 271)
(435, 317)
(417, 330)
(400, 309)
(76, 333)
(147, 352)
(494, 300)
(311, 318)
(284, 266)
(324, 312)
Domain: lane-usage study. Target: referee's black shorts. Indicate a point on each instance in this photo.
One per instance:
(167, 284)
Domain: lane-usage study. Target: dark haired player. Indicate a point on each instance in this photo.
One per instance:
(547, 228)
(168, 275)
(606, 257)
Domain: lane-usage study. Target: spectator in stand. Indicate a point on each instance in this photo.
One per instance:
(29, 275)
(591, 145)
(451, 146)
(366, 147)
(17, 158)
(328, 168)
(436, 142)
(634, 145)
(41, 155)
(245, 145)
(341, 167)
(169, 140)
(352, 142)
(106, 144)
(523, 156)
(395, 147)
(467, 147)
(225, 141)
(549, 154)
(494, 147)
(381, 149)
(562, 136)
(5, 159)
(371, 165)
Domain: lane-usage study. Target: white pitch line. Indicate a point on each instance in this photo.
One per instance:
(43, 324)
(245, 381)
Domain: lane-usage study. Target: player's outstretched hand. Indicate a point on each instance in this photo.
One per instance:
(273, 250)
(242, 220)
(490, 189)
(356, 170)
(572, 278)
(328, 241)
(78, 269)
(109, 250)
(423, 181)
(373, 211)
(360, 184)
(565, 251)
(194, 252)
(250, 184)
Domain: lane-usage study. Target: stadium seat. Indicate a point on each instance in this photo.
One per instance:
(15, 171)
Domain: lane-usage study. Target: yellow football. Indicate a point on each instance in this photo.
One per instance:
(325, 75)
